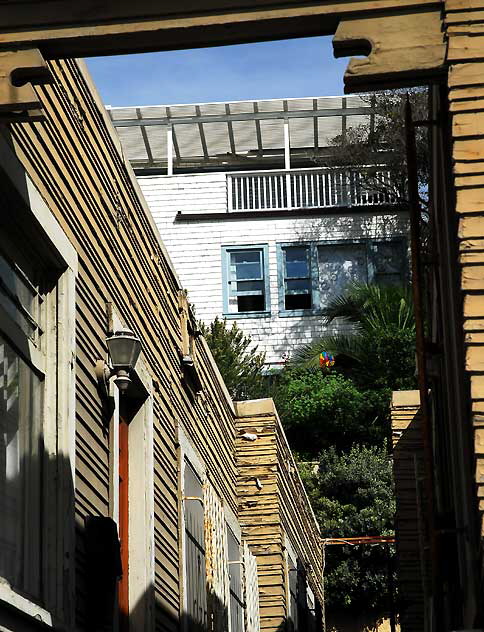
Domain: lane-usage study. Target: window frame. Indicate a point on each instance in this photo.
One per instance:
(313, 246)
(313, 277)
(54, 362)
(187, 456)
(232, 526)
(226, 280)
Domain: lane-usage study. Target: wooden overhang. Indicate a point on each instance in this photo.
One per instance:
(62, 28)
(409, 47)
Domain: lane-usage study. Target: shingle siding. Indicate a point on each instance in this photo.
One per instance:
(196, 250)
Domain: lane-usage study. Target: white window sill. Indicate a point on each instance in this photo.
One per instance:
(23, 605)
(242, 315)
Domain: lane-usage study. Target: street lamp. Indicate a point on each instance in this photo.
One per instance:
(124, 349)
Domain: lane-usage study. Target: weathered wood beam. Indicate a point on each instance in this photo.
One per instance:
(18, 71)
(62, 28)
(401, 49)
(404, 36)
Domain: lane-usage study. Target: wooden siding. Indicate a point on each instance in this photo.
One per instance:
(73, 159)
(272, 506)
(201, 270)
(259, 512)
(463, 21)
(297, 517)
(217, 576)
(465, 33)
(197, 193)
(408, 473)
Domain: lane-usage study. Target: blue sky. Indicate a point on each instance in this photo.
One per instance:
(290, 68)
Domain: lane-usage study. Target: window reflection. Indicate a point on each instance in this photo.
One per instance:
(20, 472)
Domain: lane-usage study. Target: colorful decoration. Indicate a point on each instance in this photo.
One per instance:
(326, 360)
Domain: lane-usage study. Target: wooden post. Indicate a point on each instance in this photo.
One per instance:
(287, 162)
(169, 150)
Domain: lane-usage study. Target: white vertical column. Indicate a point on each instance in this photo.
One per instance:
(287, 145)
(287, 161)
(169, 149)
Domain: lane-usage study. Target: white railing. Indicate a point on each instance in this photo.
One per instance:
(305, 188)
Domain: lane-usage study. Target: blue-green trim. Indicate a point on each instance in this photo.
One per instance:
(226, 250)
(368, 242)
(244, 315)
(313, 269)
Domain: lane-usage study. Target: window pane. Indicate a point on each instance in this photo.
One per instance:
(299, 286)
(298, 301)
(195, 552)
(339, 265)
(388, 262)
(19, 298)
(293, 580)
(388, 279)
(235, 575)
(246, 265)
(246, 256)
(17, 285)
(250, 303)
(250, 286)
(20, 472)
(248, 271)
(297, 262)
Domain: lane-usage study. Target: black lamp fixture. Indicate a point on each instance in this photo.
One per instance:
(124, 349)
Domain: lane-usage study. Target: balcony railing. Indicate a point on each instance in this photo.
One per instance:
(304, 189)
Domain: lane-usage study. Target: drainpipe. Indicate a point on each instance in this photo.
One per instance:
(426, 428)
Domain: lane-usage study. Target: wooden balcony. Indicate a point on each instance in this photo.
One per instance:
(305, 189)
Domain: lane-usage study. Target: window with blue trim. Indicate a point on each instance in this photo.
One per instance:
(297, 277)
(311, 274)
(246, 282)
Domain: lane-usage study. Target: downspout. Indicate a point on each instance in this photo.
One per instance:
(423, 387)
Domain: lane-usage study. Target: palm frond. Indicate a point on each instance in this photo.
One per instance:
(372, 306)
(350, 304)
(344, 344)
(346, 306)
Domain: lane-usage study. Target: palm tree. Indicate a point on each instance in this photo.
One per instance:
(378, 344)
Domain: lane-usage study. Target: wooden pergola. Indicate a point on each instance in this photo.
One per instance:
(237, 133)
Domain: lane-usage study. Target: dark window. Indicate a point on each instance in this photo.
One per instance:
(235, 574)
(297, 278)
(312, 274)
(196, 592)
(388, 262)
(293, 595)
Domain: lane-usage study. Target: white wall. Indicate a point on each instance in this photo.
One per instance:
(195, 249)
(199, 193)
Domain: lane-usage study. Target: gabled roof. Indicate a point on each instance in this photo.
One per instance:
(236, 133)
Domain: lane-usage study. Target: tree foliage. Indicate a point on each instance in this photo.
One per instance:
(352, 495)
(384, 143)
(237, 358)
(320, 410)
(340, 417)
(378, 350)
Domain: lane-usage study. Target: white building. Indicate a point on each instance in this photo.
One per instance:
(257, 229)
